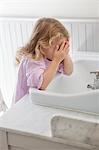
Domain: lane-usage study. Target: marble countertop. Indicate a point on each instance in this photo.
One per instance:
(31, 119)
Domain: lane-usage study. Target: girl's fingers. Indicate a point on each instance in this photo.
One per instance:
(66, 46)
(56, 48)
(62, 45)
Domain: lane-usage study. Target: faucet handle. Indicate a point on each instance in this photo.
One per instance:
(96, 73)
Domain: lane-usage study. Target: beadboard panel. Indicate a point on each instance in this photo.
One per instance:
(84, 34)
(15, 32)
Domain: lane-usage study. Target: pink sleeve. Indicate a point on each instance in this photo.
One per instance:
(61, 68)
(34, 75)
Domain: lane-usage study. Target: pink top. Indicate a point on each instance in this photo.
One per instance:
(30, 74)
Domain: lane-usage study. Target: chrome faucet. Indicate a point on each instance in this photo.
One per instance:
(95, 84)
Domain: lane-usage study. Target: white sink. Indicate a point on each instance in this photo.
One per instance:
(71, 92)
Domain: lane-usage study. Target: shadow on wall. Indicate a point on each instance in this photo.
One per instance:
(3, 106)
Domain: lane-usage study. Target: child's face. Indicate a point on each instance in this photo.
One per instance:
(49, 52)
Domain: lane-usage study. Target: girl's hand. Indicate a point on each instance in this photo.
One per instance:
(61, 51)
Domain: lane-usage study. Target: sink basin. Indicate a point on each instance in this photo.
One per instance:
(71, 92)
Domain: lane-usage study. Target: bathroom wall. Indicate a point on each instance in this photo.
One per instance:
(55, 8)
(37, 8)
(98, 7)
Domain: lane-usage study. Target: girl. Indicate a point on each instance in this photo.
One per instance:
(46, 54)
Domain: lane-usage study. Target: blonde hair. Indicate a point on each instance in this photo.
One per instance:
(44, 32)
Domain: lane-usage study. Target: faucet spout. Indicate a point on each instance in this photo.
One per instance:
(95, 84)
(91, 86)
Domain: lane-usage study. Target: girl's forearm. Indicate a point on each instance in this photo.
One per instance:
(68, 65)
(49, 73)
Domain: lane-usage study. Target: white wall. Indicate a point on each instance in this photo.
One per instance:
(98, 7)
(55, 8)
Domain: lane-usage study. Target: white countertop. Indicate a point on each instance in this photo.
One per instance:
(28, 119)
(34, 119)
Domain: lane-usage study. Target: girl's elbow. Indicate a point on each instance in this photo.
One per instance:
(68, 72)
(42, 88)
